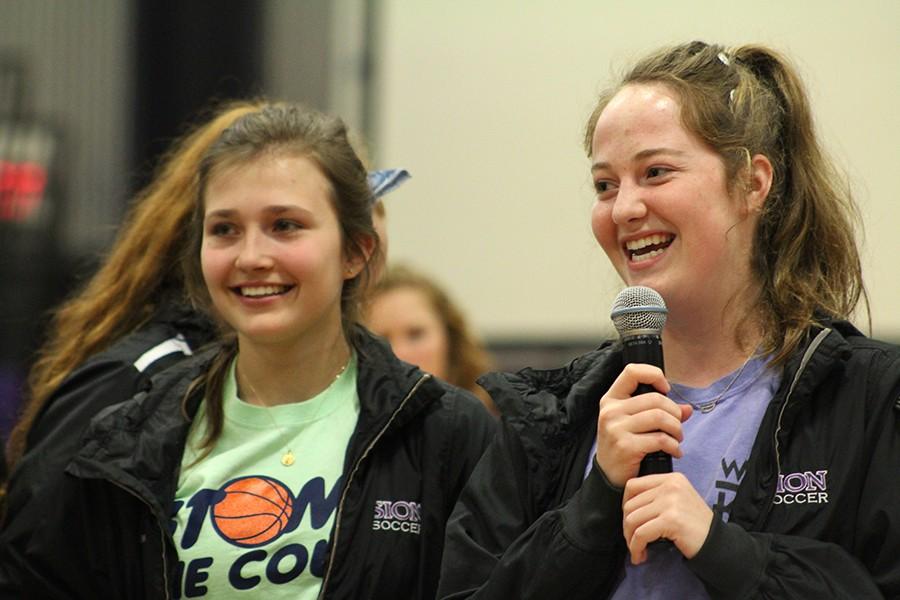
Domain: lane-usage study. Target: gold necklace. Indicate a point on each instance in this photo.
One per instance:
(287, 458)
(710, 405)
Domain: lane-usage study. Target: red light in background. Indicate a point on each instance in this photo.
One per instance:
(22, 187)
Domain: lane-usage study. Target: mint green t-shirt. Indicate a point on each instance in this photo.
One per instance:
(247, 526)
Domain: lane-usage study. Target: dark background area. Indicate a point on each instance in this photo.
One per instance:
(172, 61)
(93, 91)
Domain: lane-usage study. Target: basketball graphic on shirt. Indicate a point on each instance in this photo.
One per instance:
(253, 510)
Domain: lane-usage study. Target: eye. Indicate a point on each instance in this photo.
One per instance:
(221, 229)
(654, 172)
(286, 226)
(415, 334)
(604, 188)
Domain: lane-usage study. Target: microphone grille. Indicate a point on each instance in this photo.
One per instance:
(638, 307)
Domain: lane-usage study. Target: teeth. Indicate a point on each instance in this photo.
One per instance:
(641, 257)
(263, 290)
(650, 240)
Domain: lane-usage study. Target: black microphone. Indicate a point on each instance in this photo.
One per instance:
(639, 315)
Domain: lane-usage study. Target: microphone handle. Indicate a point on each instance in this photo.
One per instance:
(655, 462)
(647, 348)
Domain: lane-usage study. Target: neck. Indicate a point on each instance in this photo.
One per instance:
(697, 355)
(270, 375)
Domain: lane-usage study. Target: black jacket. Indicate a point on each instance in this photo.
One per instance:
(102, 530)
(529, 525)
(112, 376)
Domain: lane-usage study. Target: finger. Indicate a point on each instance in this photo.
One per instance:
(656, 419)
(637, 559)
(636, 512)
(635, 374)
(634, 404)
(656, 441)
(686, 411)
(638, 487)
(643, 535)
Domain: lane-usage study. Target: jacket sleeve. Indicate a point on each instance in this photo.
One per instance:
(496, 548)
(41, 528)
(735, 563)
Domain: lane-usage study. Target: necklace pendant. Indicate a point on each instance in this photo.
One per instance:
(287, 459)
(707, 407)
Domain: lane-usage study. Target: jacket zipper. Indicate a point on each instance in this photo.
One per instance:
(162, 535)
(354, 470)
(807, 356)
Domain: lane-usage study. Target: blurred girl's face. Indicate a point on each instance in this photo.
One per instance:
(406, 318)
(663, 213)
(272, 253)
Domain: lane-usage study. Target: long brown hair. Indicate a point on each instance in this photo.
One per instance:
(750, 100)
(143, 262)
(284, 130)
(467, 358)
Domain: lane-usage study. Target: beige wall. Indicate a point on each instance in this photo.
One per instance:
(484, 102)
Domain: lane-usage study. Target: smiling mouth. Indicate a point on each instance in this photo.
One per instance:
(648, 247)
(262, 291)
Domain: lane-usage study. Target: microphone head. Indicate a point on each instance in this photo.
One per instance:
(638, 308)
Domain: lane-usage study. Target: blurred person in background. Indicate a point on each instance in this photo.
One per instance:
(427, 329)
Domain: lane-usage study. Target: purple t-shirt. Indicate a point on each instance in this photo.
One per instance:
(716, 447)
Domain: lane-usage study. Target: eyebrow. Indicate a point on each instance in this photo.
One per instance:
(649, 152)
(276, 209)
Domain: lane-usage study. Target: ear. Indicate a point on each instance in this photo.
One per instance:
(353, 265)
(759, 182)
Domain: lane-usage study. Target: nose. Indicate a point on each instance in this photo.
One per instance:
(253, 254)
(629, 205)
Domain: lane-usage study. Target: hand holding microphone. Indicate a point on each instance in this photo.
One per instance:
(639, 315)
(638, 429)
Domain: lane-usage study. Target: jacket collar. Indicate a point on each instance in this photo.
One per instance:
(139, 444)
(558, 401)
(390, 391)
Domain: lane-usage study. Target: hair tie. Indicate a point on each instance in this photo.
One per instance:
(723, 58)
(385, 180)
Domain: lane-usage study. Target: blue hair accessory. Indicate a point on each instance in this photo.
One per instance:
(385, 180)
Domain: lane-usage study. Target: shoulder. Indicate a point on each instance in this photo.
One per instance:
(169, 385)
(441, 410)
(464, 412)
(843, 364)
(867, 356)
(863, 348)
(124, 369)
(550, 399)
(874, 365)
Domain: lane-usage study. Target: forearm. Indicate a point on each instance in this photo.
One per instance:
(734, 563)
